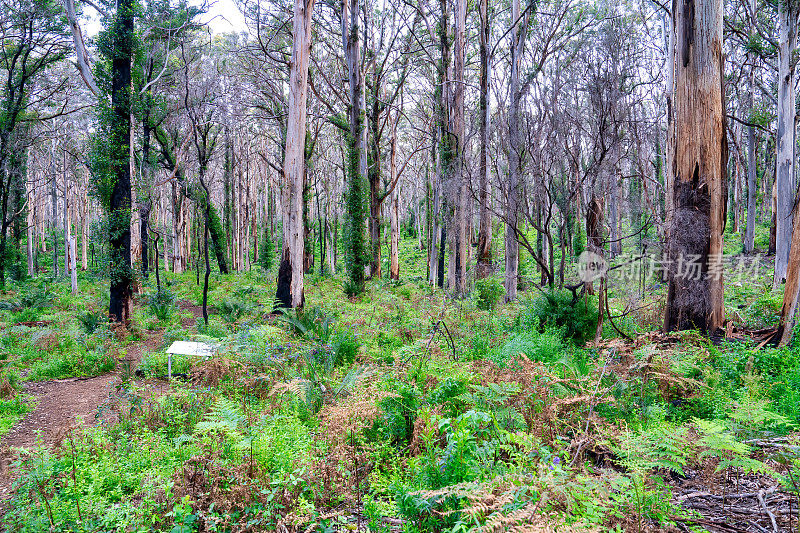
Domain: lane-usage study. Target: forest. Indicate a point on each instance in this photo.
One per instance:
(399, 266)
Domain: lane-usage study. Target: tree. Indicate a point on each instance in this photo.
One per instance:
(695, 290)
(786, 138)
(120, 206)
(750, 227)
(519, 28)
(290, 275)
(484, 252)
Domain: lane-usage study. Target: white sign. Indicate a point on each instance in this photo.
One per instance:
(197, 349)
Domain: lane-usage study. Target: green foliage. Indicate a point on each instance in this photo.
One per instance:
(488, 292)
(313, 323)
(12, 410)
(29, 314)
(556, 309)
(91, 320)
(161, 303)
(399, 414)
(232, 310)
(546, 346)
(266, 251)
(154, 364)
(345, 347)
(72, 361)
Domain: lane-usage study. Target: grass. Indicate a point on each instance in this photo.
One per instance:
(12, 410)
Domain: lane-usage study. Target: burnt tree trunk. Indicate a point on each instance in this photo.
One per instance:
(290, 275)
(695, 293)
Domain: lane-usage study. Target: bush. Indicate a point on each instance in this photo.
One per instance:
(488, 292)
(232, 310)
(546, 346)
(555, 309)
(161, 303)
(91, 320)
(345, 347)
(28, 314)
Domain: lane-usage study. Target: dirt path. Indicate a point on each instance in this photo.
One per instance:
(61, 405)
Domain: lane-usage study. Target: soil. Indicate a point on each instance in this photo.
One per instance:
(62, 405)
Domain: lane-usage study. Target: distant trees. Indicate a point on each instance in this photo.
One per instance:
(481, 131)
(34, 39)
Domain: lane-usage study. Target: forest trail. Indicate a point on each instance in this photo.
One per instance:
(62, 405)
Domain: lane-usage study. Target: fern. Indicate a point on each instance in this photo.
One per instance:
(225, 417)
(718, 442)
(659, 446)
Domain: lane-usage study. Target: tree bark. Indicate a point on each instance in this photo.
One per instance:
(785, 180)
(792, 288)
(456, 172)
(515, 152)
(290, 279)
(484, 253)
(695, 293)
(120, 206)
(750, 228)
(394, 222)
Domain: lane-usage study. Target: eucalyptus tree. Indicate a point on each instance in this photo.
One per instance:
(785, 177)
(695, 290)
(290, 292)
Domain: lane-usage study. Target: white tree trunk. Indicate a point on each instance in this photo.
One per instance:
(294, 159)
(73, 264)
(785, 138)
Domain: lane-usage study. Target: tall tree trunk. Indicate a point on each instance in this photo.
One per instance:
(515, 152)
(290, 278)
(356, 166)
(53, 218)
(669, 152)
(120, 205)
(785, 165)
(394, 222)
(750, 229)
(84, 232)
(31, 236)
(484, 254)
(773, 225)
(695, 295)
(457, 172)
(65, 214)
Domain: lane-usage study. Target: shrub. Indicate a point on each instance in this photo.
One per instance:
(345, 347)
(399, 414)
(232, 310)
(546, 346)
(488, 292)
(555, 309)
(29, 314)
(161, 303)
(91, 320)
